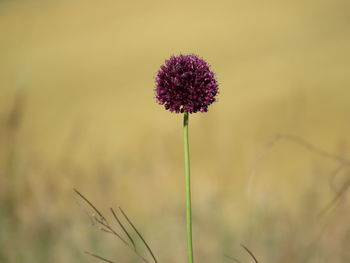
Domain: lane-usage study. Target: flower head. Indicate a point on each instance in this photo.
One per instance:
(186, 84)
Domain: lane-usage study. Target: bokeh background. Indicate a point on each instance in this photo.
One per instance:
(77, 110)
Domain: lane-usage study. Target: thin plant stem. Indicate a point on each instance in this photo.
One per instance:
(124, 229)
(139, 234)
(99, 257)
(188, 190)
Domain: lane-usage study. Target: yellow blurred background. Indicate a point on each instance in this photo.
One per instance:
(77, 110)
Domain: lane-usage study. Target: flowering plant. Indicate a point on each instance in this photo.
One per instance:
(186, 85)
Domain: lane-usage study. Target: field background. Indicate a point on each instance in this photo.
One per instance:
(77, 109)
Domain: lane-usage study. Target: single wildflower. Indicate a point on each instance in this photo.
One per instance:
(186, 85)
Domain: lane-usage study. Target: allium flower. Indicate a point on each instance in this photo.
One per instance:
(186, 84)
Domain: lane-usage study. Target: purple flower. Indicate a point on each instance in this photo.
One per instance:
(185, 84)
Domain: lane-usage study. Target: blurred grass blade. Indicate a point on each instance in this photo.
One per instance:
(99, 257)
(139, 234)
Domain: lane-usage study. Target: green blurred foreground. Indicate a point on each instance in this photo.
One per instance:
(77, 110)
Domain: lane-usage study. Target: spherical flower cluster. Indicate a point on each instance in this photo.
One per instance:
(185, 84)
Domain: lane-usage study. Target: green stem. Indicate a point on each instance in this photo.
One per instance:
(188, 191)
